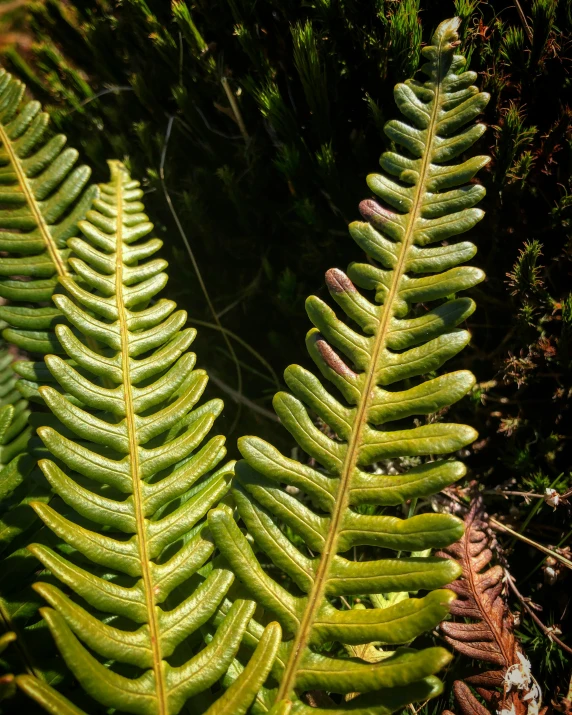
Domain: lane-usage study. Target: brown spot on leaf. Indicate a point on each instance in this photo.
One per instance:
(376, 214)
(338, 282)
(333, 360)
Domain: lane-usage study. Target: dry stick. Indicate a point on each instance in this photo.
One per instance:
(497, 525)
(245, 345)
(503, 493)
(112, 89)
(538, 565)
(524, 21)
(197, 269)
(240, 398)
(235, 109)
(547, 631)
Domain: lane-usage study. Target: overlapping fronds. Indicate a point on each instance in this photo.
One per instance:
(484, 630)
(42, 197)
(19, 484)
(16, 434)
(137, 479)
(307, 530)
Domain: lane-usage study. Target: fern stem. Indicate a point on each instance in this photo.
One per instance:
(134, 457)
(316, 596)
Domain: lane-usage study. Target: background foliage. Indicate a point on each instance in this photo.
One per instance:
(266, 117)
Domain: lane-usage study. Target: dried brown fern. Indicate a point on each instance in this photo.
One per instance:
(489, 637)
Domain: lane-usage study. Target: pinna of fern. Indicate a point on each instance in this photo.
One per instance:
(377, 364)
(42, 197)
(137, 478)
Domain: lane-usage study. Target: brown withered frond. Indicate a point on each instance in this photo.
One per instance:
(490, 636)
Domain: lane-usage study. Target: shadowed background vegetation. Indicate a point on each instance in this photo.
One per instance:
(253, 126)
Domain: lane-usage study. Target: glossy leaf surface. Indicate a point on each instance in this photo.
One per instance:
(377, 362)
(138, 473)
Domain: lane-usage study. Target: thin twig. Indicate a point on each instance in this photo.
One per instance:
(197, 269)
(235, 108)
(532, 513)
(245, 345)
(241, 399)
(563, 540)
(524, 21)
(547, 631)
(115, 89)
(208, 126)
(526, 495)
(497, 525)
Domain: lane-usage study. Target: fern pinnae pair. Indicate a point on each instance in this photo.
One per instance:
(135, 464)
(422, 205)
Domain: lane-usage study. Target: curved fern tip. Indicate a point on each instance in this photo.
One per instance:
(447, 32)
(117, 169)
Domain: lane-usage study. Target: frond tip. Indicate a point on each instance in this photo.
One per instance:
(378, 365)
(135, 462)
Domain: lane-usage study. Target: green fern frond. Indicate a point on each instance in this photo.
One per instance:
(42, 197)
(19, 484)
(15, 438)
(426, 200)
(135, 464)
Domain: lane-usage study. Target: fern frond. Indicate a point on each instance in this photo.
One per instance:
(15, 437)
(42, 197)
(135, 464)
(387, 352)
(486, 631)
(19, 484)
